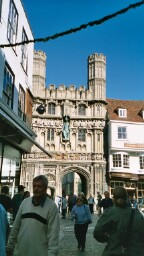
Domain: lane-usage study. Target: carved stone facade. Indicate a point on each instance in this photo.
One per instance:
(81, 113)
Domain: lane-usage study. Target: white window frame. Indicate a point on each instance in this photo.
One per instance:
(24, 52)
(122, 132)
(122, 112)
(141, 161)
(121, 160)
(21, 103)
(8, 84)
(12, 23)
(1, 9)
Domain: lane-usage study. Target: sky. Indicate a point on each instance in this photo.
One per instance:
(120, 39)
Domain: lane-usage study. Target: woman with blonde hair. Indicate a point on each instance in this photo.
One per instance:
(119, 224)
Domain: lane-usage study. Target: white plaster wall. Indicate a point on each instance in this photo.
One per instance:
(135, 139)
(12, 57)
(135, 135)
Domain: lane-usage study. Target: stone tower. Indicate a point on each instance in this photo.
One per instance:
(39, 73)
(97, 76)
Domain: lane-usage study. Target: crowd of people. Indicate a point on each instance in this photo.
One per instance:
(36, 221)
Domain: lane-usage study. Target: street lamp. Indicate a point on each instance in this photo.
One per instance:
(41, 109)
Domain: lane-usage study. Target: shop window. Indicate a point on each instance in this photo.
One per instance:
(114, 184)
(140, 190)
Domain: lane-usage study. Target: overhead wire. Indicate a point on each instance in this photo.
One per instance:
(81, 27)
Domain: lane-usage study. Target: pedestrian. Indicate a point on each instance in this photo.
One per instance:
(99, 198)
(3, 230)
(36, 228)
(59, 203)
(6, 202)
(71, 202)
(17, 199)
(112, 228)
(64, 206)
(82, 195)
(91, 203)
(5, 199)
(133, 201)
(26, 194)
(82, 216)
(107, 201)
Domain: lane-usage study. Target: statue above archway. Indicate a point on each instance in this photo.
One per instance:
(66, 129)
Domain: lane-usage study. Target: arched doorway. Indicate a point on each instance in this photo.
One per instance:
(75, 180)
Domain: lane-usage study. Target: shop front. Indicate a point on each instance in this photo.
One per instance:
(133, 183)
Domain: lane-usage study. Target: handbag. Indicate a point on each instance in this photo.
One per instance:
(89, 220)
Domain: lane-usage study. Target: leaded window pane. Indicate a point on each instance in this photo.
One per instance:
(117, 160)
(122, 133)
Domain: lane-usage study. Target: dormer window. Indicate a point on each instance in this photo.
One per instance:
(122, 112)
(141, 113)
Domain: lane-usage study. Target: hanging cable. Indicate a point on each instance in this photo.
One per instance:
(74, 30)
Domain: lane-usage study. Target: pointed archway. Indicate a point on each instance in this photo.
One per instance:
(83, 174)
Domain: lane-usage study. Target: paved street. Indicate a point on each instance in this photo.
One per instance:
(68, 246)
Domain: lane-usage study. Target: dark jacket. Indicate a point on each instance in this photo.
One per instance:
(111, 228)
(106, 203)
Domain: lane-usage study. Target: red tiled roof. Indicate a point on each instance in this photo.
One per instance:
(133, 107)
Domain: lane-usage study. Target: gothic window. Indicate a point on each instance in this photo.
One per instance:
(141, 160)
(8, 84)
(24, 54)
(122, 132)
(82, 135)
(50, 134)
(51, 108)
(82, 110)
(21, 103)
(98, 137)
(12, 23)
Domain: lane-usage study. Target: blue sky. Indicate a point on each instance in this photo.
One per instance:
(120, 39)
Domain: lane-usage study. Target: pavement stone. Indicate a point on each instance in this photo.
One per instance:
(68, 245)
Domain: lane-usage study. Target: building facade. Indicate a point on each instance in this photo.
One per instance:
(16, 69)
(69, 123)
(126, 146)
